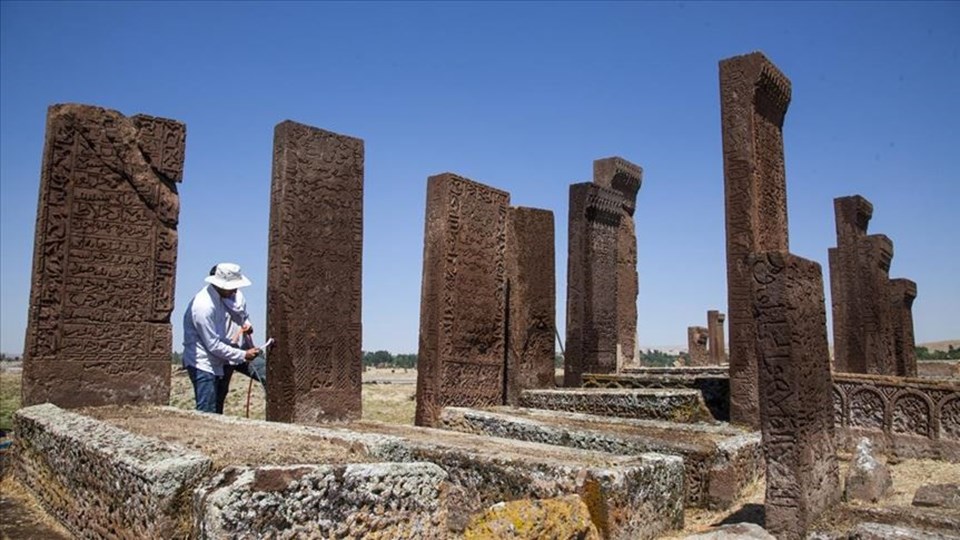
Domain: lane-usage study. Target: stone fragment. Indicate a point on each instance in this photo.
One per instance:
(880, 531)
(938, 495)
(735, 531)
(697, 341)
(867, 479)
(533, 519)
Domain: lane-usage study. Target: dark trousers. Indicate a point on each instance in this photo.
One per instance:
(209, 390)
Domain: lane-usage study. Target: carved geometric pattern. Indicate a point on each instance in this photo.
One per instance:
(105, 255)
(866, 408)
(754, 96)
(950, 419)
(911, 414)
(838, 404)
(463, 299)
(314, 275)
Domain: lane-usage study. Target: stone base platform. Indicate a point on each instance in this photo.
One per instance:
(678, 370)
(713, 384)
(720, 461)
(161, 472)
(673, 405)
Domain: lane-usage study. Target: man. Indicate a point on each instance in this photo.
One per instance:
(207, 346)
(240, 331)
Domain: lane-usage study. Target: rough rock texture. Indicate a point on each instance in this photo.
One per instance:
(698, 339)
(592, 304)
(626, 178)
(938, 496)
(104, 482)
(104, 262)
(879, 531)
(372, 500)
(736, 531)
(867, 479)
(313, 288)
(903, 293)
(754, 96)
(796, 412)
(650, 404)
(714, 387)
(628, 496)
(531, 301)
(904, 417)
(533, 519)
(463, 297)
(719, 461)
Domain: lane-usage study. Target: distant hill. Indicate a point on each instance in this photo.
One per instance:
(941, 345)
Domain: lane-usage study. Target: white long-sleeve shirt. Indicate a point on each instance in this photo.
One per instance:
(206, 343)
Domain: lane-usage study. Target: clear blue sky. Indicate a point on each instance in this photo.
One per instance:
(520, 96)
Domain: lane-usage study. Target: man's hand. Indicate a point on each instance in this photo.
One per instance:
(250, 354)
(247, 328)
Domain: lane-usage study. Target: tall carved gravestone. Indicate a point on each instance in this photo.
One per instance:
(592, 325)
(463, 298)
(697, 341)
(105, 254)
(754, 96)
(903, 293)
(863, 317)
(626, 178)
(718, 348)
(796, 392)
(314, 281)
(531, 301)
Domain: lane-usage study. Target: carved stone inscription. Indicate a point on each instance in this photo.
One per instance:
(626, 178)
(796, 392)
(531, 300)
(902, 294)
(592, 329)
(697, 340)
(852, 219)
(718, 348)
(314, 281)
(754, 96)
(463, 297)
(105, 253)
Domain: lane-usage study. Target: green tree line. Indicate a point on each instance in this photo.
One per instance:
(950, 354)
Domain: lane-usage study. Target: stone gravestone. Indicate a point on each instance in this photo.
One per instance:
(697, 339)
(864, 316)
(620, 175)
(105, 254)
(314, 281)
(796, 392)
(531, 301)
(754, 96)
(903, 293)
(592, 324)
(718, 348)
(463, 297)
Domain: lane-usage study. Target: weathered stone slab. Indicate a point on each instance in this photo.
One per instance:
(867, 479)
(105, 253)
(754, 96)
(626, 178)
(314, 281)
(907, 418)
(938, 369)
(938, 496)
(101, 481)
(795, 392)
(677, 370)
(370, 500)
(714, 385)
(734, 531)
(718, 347)
(879, 531)
(628, 496)
(463, 297)
(535, 519)
(698, 339)
(531, 300)
(651, 404)
(592, 327)
(720, 461)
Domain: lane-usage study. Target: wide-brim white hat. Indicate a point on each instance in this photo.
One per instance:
(228, 276)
